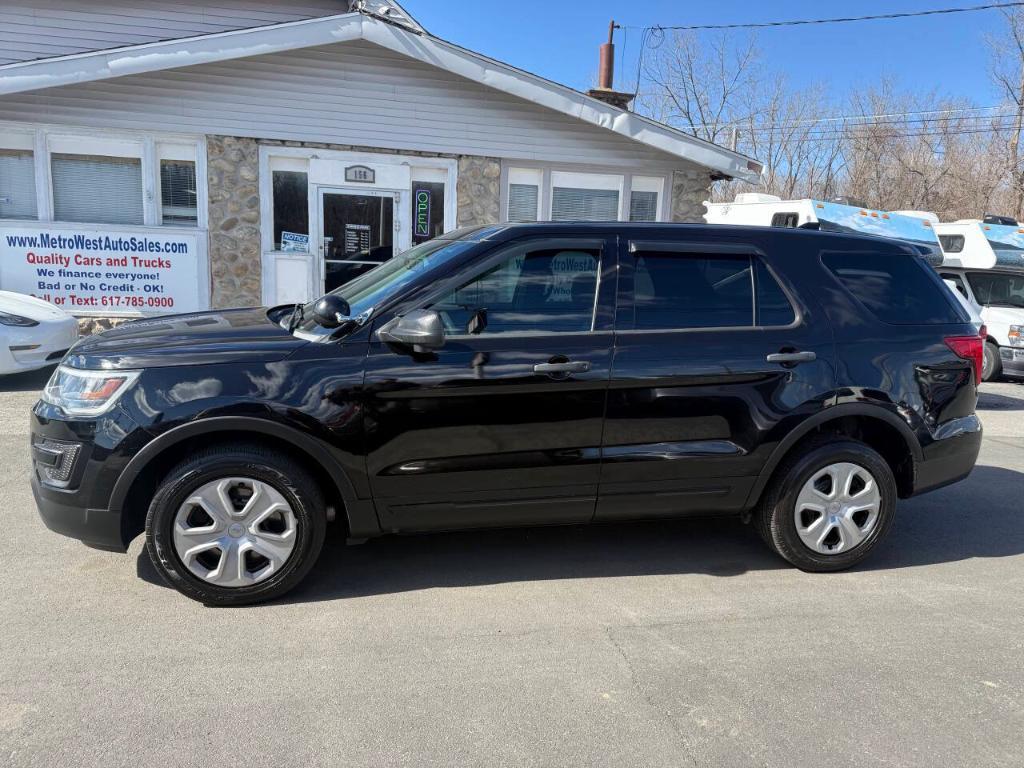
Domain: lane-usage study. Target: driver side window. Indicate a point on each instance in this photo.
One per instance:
(534, 290)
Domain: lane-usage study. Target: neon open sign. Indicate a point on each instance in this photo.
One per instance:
(422, 202)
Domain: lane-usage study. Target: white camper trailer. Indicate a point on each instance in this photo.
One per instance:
(761, 210)
(984, 259)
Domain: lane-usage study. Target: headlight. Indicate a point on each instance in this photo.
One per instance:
(9, 319)
(87, 393)
(1015, 338)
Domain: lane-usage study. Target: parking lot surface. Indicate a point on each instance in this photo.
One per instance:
(663, 644)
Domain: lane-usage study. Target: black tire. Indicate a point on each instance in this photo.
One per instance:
(286, 476)
(775, 516)
(993, 366)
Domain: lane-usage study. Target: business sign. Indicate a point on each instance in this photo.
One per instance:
(105, 272)
(421, 201)
(360, 174)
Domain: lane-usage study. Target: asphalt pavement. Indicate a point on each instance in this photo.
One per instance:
(681, 643)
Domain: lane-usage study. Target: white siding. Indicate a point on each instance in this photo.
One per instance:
(353, 93)
(38, 29)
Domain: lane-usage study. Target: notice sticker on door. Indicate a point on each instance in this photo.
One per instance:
(357, 238)
(292, 242)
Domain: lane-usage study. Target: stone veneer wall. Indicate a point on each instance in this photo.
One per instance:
(479, 190)
(689, 191)
(232, 167)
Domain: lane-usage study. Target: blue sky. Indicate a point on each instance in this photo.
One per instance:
(559, 39)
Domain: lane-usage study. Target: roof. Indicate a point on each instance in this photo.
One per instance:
(399, 35)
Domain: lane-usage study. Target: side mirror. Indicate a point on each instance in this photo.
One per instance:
(331, 311)
(421, 329)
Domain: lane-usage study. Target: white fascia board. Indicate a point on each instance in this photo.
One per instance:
(172, 54)
(245, 43)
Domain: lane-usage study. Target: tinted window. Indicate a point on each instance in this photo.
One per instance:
(896, 288)
(773, 307)
(673, 290)
(785, 220)
(951, 243)
(533, 291)
(997, 289)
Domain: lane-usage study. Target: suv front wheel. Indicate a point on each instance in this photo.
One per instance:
(235, 525)
(828, 505)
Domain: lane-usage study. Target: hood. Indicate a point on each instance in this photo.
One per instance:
(201, 338)
(30, 307)
(1002, 316)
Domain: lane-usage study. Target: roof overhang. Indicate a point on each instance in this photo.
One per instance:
(259, 41)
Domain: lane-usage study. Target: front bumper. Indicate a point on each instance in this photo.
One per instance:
(950, 457)
(29, 349)
(73, 496)
(1012, 359)
(98, 528)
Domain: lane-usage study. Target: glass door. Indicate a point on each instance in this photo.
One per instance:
(357, 232)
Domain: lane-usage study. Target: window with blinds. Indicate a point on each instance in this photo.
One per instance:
(17, 184)
(571, 204)
(643, 206)
(178, 198)
(522, 202)
(97, 189)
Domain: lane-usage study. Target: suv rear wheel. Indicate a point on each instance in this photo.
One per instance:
(829, 505)
(235, 525)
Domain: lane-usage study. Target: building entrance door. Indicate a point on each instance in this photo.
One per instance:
(358, 229)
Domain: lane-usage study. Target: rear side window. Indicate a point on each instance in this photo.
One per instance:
(772, 305)
(896, 288)
(952, 243)
(788, 220)
(689, 290)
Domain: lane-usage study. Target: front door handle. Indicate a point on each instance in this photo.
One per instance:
(577, 366)
(792, 358)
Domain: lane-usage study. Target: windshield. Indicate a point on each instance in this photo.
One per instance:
(373, 288)
(997, 289)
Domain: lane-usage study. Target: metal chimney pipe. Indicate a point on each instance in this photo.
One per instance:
(607, 68)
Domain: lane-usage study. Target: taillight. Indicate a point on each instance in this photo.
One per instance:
(969, 348)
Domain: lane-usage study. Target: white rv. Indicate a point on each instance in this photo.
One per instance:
(984, 259)
(760, 210)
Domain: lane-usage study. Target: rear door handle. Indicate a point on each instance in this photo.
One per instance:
(577, 366)
(792, 358)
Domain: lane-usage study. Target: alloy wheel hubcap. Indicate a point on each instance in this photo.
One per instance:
(234, 532)
(837, 508)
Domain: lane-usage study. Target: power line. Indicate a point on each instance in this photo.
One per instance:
(842, 20)
(853, 121)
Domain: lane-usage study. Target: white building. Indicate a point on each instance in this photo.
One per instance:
(184, 154)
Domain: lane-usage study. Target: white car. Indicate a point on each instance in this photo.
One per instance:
(33, 333)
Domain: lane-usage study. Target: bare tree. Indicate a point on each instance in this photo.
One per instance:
(1007, 69)
(897, 151)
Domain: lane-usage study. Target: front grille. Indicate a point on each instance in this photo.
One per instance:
(61, 472)
(58, 355)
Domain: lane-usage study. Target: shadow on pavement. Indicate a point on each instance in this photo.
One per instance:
(30, 381)
(977, 518)
(990, 401)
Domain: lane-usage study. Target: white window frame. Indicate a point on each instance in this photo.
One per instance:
(532, 177)
(641, 183)
(172, 150)
(147, 147)
(23, 140)
(585, 177)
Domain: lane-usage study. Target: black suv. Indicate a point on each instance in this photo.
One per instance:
(522, 375)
